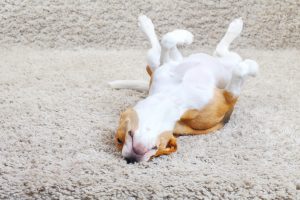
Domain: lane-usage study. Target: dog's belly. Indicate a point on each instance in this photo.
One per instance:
(198, 70)
(191, 83)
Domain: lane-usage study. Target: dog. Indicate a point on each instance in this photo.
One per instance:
(186, 95)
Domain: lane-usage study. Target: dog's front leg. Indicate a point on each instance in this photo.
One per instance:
(240, 72)
(167, 144)
(169, 44)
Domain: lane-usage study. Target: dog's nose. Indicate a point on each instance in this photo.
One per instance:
(130, 160)
(139, 148)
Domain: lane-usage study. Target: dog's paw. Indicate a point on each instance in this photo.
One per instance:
(252, 67)
(246, 68)
(236, 27)
(145, 22)
(241, 70)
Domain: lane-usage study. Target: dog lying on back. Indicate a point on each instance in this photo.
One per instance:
(187, 96)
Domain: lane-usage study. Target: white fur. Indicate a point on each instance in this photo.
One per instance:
(169, 43)
(181, 84)
(177, 37)
(153, 55)
(234, 30)
(240, 72)
(169, 53)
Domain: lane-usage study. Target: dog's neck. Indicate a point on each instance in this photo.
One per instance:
(160, 112)
(157, 114)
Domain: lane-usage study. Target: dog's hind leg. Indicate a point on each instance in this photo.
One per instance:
(209, 118)
(234, 30)
(153, 54)
(182, 129)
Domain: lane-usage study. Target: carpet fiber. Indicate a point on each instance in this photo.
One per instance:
(58, 118)
(113, 23)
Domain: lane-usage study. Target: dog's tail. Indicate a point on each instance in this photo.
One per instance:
(130, 84)
(169, 44)
(234, 30)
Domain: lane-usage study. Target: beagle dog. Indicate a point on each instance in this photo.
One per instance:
(187, 95)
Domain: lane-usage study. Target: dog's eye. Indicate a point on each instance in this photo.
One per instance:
(154, 148)
(119, 141)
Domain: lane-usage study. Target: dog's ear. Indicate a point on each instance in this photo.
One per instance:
(121, 134)
(129, 117)
(128, 121)
(167, 144)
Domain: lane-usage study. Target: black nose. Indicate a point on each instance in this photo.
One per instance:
(130, 160)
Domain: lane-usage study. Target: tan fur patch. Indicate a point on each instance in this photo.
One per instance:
(166, 144)
(208, 119)
(128, 121)
(149, 71)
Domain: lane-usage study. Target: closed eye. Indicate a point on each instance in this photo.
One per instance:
(154, 148)
(119, 141)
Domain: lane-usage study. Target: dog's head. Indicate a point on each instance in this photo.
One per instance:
(137, 145)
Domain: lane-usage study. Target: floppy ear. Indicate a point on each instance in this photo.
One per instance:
(128, 121)
(121, 134)
(167, 144)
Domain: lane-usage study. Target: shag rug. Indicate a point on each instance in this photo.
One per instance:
(58, 118)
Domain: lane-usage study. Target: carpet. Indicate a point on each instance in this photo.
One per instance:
(58, 118)
(113, 23)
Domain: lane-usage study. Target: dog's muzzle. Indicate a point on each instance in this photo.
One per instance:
(137, 153)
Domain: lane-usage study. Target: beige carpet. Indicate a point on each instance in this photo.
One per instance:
(58, 117)
(113, 23)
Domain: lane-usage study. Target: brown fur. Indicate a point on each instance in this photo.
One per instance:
(167, 144)
(149, 71)
(212, 117)
(128, 122)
